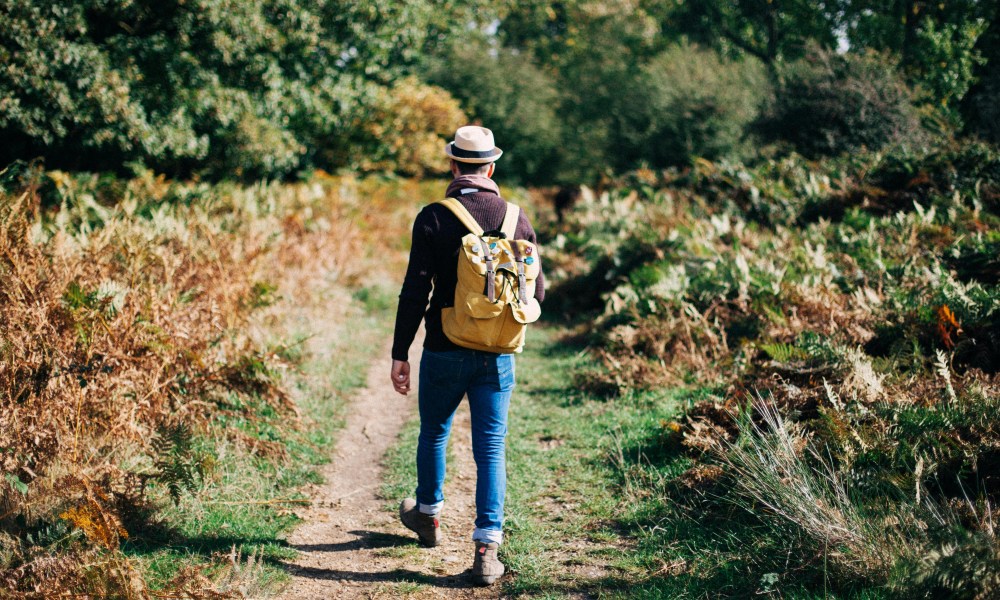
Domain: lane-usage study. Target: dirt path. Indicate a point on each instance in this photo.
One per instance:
(350, 546)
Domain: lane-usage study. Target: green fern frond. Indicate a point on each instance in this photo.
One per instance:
(177, 465)
(784, 352)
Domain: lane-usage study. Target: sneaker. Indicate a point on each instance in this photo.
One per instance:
(426, 527)
(486, 568)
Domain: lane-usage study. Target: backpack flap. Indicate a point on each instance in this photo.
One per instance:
(480, 307)
(494, 288)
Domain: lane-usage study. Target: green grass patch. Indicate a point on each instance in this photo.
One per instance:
(400, 464)
(258, 461)
(562, 533)
(593, 505)
(565, 499)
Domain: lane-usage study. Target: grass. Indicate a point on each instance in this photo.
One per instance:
(401, 466)
(595, 505)
(575, 507)
(249, 499)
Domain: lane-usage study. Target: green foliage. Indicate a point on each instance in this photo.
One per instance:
(971, 169)
(575, 89)
(768, 31)
(15, 483)
(514, 98)
(968, 567)
(213, 88)
(936, 43)
(784, 353)
(828, 104)
(981, 105)
(873, 332)
(690, 102)
(946, 61)
(985, 106)
(561, 33)
(178, 466)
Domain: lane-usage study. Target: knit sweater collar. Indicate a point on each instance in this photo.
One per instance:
(466, 184)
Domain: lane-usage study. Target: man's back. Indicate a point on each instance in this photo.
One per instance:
(437, 237)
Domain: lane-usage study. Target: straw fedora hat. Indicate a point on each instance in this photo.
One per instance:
(473, 145)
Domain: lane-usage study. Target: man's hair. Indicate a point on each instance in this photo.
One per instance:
(472, 168)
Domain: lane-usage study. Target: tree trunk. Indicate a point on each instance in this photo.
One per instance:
(772, 9)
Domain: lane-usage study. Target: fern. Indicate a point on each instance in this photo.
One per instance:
(784, 353)
(176, 463)
(944, 372)
(968, 567)
(819, 348)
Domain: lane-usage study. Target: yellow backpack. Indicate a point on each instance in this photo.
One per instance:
(494, 295)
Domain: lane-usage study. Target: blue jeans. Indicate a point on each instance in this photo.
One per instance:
(488, 379)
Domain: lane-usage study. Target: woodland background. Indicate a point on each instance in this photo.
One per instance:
(576, 89)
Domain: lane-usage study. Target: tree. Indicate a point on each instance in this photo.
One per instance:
(511, 95)
(981, 105)
(210, 87)
(936, 43)
(769, 30)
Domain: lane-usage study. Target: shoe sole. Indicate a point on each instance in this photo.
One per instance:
(485, 579)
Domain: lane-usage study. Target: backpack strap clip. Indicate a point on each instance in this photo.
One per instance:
(491, 284)
(522, 286)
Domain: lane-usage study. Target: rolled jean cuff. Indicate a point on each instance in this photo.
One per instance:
(488, 536)
(430, 509)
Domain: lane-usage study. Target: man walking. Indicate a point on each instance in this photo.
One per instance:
(448, 371)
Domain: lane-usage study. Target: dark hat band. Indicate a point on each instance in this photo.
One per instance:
(460, 153)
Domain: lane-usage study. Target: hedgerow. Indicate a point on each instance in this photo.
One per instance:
(126, 341)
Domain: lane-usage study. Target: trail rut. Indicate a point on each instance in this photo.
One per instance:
(350, 545)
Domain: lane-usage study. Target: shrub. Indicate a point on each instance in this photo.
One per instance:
(126, 342)
(875, 337)
(828, 104)
(407, 129)
(692, 102)
(506, 92)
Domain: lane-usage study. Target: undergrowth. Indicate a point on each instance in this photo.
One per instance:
(846, 317)
(159, 398)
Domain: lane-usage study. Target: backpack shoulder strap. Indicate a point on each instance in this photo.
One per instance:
(509, 226)
(463, 215)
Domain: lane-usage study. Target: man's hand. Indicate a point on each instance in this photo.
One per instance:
(401, 376)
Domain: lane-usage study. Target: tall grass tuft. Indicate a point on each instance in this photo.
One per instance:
(802, 494)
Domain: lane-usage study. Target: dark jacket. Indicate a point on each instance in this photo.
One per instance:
(437, 238)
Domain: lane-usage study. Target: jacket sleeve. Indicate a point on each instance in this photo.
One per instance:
(526, 232)
(417, 286)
